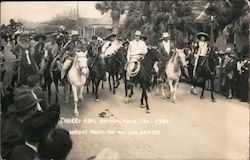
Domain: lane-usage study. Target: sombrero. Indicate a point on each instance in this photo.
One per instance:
(109, 36)
(203, 34)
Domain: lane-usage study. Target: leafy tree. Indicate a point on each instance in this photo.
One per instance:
(116, 9)
(155, 17)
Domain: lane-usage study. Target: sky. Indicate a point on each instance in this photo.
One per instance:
(43, 11)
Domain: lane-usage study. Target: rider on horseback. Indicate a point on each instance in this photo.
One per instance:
(109, 48)
(69, 49)
(203, 49)
(136, 51)
(165, 49)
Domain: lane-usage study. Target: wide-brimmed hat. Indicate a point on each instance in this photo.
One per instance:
(137, 33)
(109, 36)
(99, 39)
(23, 100)
(125, 42)
(37, 37)
(34, 128)
(203, 34)
(74, 33)
(165, 35)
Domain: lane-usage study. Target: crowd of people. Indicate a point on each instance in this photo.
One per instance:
(29, 123)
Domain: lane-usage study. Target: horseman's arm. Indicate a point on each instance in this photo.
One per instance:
(145, 48)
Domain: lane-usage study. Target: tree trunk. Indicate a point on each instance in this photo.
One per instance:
(115, 15)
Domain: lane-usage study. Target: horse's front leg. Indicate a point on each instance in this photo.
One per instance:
(203, 88)
(212, 89)
(142, 97)
(74, 90)
(81, 93)
(66, 91)
(57, 89)
(170, 84)
(126, 92)
(113, 78)
(96, 90)
(110, 87)
(117, 80)
(175, 87)
(49, 91)
(93, 87)
(163, 91)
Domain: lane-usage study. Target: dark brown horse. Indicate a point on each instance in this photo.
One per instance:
(115, 67)
(143, 77)
(207, 72)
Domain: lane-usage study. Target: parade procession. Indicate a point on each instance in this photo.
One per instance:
(140, 80)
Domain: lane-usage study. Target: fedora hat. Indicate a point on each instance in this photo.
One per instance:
(138, 33)
(23, 100)
(109, 36)
(126, 42)
(203, 34)
(37, 37)
(74, 33)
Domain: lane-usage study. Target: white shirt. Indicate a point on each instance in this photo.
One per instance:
(110, 48)
(166, 46)
(203, 48)
(136, 48)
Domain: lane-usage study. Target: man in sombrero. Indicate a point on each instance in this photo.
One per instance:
(39, 48)
(69, 51)
(202, 51)
(137, 49)
(23, 52)
(109, 48)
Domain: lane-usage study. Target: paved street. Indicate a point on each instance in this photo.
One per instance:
(189, 129)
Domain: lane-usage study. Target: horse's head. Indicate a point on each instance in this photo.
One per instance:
(152, 55)
(81, 64)
(181, 57)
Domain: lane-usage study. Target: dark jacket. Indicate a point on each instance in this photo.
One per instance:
(11, 135)
(23, 152)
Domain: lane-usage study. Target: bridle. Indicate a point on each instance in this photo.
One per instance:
(79, 69)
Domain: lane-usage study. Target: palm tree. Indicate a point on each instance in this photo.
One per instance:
(155, 17)
(116, 8)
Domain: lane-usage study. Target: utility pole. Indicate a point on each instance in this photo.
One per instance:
(78, 23)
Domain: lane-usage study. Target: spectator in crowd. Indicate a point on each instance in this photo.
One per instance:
(25, 105)
(55, 145)
(243, 70)
(32, 130)
(33, 83)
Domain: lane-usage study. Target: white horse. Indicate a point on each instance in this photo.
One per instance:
(77, 77)
(173, 71)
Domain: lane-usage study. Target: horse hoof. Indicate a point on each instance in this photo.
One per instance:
(143, 106)
(164, 97)
(201, 97)
(168, 97)
(213, 100)
(173, 101)
(148, 111)
(97, 100)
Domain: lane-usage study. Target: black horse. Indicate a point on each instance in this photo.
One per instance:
(96, 74)
(115, 68)
(51, 73)
(207, 72)
(143, 77)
